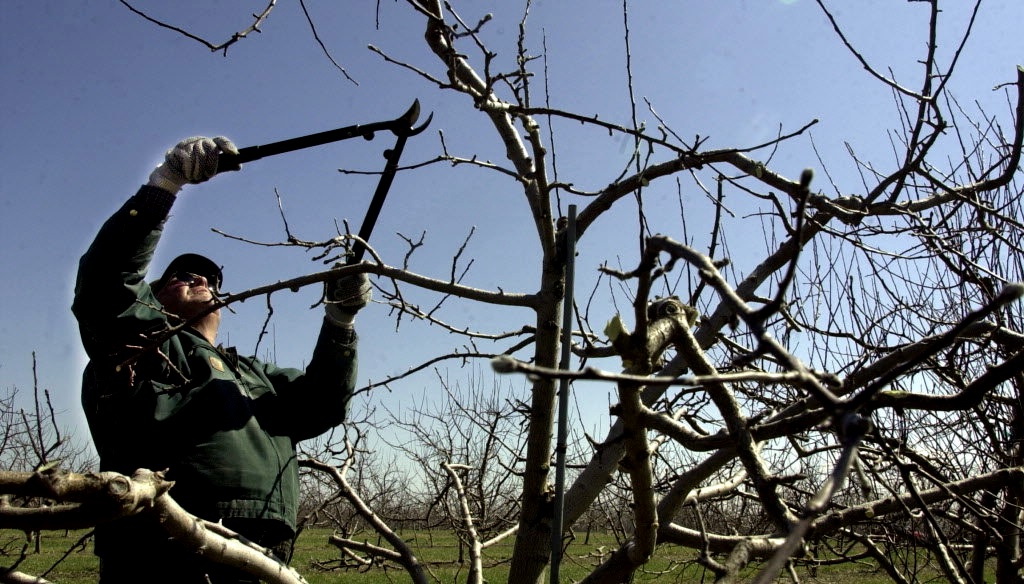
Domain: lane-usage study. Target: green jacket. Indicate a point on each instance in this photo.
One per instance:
(223, 425)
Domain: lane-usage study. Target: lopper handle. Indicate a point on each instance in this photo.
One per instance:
(227, 162)
(399, 126)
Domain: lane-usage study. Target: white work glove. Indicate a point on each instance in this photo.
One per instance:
(193, 160)
(343, 297)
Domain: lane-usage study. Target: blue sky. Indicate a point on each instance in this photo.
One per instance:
(93, 95)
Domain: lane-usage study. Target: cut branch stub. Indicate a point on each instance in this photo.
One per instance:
(641, 351)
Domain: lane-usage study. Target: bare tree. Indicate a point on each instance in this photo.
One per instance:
(33, 440)
(34, 437)
(859, 382)
(466, 446)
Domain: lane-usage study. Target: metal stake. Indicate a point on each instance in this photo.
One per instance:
(563, 397)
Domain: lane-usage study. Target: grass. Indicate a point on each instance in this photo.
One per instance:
(319, 562)
(63, 556)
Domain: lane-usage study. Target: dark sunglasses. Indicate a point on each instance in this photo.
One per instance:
(190, 279)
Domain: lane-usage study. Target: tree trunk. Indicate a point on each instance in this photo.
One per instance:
(532, 550)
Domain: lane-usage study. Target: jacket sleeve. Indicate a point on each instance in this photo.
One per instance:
(312, 402)
(113, 303)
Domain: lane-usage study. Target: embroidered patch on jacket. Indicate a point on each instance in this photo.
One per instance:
(216, 363)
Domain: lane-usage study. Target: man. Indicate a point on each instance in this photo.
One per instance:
(223, 426)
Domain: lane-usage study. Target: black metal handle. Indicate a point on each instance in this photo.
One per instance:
(386, 178)
(400, 126)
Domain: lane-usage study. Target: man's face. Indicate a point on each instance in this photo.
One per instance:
(186, 294)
